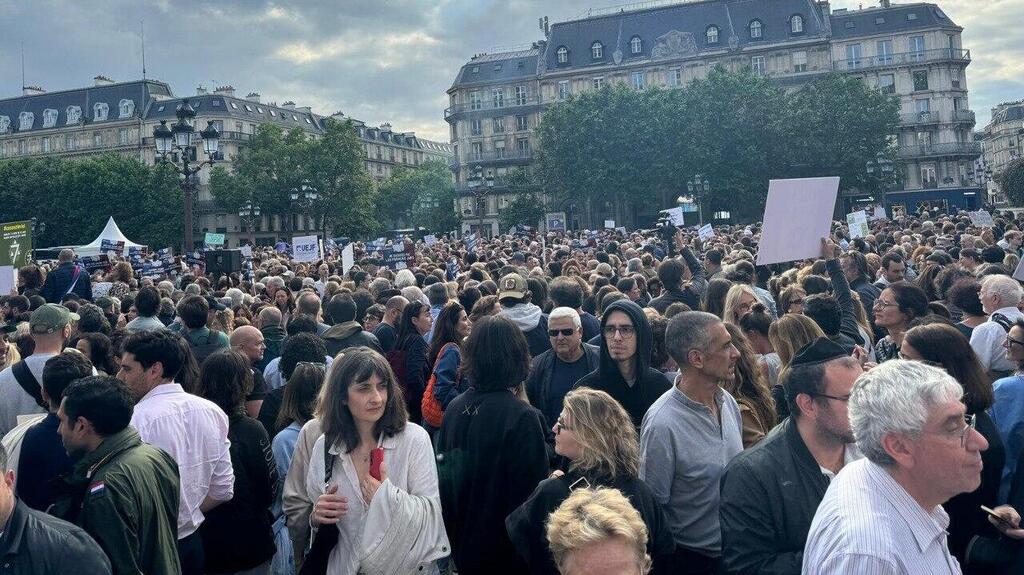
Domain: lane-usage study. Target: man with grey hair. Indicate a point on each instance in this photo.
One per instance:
(690, 434)
(67, 278)
(883, 514)
(999, 297)
(554, 372)
(273, 284)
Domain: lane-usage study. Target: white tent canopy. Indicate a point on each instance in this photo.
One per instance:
(110, 232)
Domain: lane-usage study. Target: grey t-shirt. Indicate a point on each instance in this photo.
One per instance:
(13, 399)
(684, 451)
(145, 324)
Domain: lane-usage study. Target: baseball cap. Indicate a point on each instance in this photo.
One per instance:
(512, 285)
(50, 318)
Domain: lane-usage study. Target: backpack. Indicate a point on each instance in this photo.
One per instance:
(433, 413)
(1003, 321)
(23, 375)
(206, 349)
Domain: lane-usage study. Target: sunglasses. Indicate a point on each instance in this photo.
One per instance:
(566, 332)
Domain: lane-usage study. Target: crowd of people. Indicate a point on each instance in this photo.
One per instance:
(583, 403)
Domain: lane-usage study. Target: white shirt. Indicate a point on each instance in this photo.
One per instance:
(867, 524)
(987, 342)
(194, 432)
(14, 401)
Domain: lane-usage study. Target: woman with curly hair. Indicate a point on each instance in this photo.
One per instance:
(750, 388)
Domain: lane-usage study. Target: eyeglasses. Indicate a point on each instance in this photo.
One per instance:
(796, 302)
(566, 332)
(559, 426)
(626, 331)
(970, 422)
(842, 398)
(884, 304)
(1010, 341)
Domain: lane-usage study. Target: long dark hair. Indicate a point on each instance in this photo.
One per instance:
(300, 395)
(445, 330)
(356, 366)
(496, 355)
(943, 344)
(405, 326)
(100, 352)
(225, 379)
(714, 296)
(748, 383)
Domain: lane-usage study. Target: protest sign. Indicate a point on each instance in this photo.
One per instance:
(15, 243)
(470, 240)
(400, 256)
(981, 218)
(305, 248)
(858, 223)
(108, 246)
(348, 259)
(877, 213)
(93, 263)
(196, 258)
(675, 216)
(8, 280)
(706, 232)
(430, 239)
(246, 251)
(212, 239)
(555, 221)
(1018, 274)
(609, 224)
(786, 238)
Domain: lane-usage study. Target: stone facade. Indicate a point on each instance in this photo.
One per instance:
(1002, 142)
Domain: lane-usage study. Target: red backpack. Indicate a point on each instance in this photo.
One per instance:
(433, 413)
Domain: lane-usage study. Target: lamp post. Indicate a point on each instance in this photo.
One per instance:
(698, 189)
(179, 139)
(249, 214)
(303, 197)
(881, 168)
(39, 228)
(479, 187)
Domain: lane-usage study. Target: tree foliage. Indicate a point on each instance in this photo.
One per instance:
(75, 197)
(419, 198)
(526, 207)
(627, 150)
(1011, 181)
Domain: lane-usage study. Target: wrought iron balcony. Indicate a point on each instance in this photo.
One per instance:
(935, 150)
(903, 59)
(509, 154)
(491, 105)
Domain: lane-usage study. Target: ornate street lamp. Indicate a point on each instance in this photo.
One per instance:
(698, 189)
(179, 138)
(882, 169)
(303, 197)
(249, 214)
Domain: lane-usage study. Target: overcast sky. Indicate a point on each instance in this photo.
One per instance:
(375, 60)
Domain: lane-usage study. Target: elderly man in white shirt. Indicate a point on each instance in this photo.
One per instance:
(192, 430)
(1000, 295)
(883, 514)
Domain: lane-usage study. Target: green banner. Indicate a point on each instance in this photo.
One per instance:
(15, 243)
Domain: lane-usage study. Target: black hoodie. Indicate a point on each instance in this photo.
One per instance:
(650, 383)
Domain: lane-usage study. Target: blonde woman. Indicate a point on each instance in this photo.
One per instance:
(598, 529)
(791, 332)
(738, 301)
(596, 435)
(8, 352)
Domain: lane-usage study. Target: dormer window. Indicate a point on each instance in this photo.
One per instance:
(796, 24)
(100, 111)
(636, 45)
(126, 107)
(597, 50)
(5, 124)
(712, 34)
(49, 118)
(562, 54)
(755, 29)
(25, 120)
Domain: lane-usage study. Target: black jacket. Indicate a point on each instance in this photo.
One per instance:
(237, 535)
(60, 279)
(348, 334)
(650, 383)
(417, 371)
(539, 382)
(34, 543)
(691, 294)
(770, 493)
(526, 525)
(491, 456)
(841, 289)
(966, 519)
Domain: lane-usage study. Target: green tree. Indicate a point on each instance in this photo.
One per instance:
(527, 205)
(1011, 181)
(334, 168)
(422, 197)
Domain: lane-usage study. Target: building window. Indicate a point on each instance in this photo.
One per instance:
(522, 123)
(71, 142)
(922, 106)
(122, 136)
(636, 45)
(475, 102)
(22, 148)
(499, 148)
(928, 179)
(522, 95)
(639, 80)
(920, 80)
(800, 61)
(755, 29)
(954, 78)
(25, 120)
(853, 55)
(916, 48)
(477, 151)
(883, 52)
(712, 34)
(796, 24)
(238, 127)
(97, 139)
(563, 89)
(475, 128)
(498, 97)
(499, 125)
(675, 77)
(380, 153)
(887, 83)
(596, 51)
(49, 118)
(757, 65)
(46, 145)
(599, 82)
(523, 146)
(563, 55)
(100, 111)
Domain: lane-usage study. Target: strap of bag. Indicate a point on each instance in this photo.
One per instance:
(1003, 321)
(74, 278)
(328, 462)
(27, 381)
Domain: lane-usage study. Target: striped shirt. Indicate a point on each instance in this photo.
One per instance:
(869, 525)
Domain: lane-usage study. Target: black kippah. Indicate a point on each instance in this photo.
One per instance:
(818, 351)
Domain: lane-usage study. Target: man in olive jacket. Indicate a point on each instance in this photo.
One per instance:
(122, 491)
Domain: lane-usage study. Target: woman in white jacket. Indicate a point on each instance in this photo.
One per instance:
(389, 526)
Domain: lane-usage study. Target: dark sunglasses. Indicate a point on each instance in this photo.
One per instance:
(566, 332)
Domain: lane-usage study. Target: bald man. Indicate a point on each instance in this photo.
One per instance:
(269, 322)
(249, 342)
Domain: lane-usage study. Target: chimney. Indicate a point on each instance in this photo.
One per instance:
(385, 127)
(228, 90)
(885, 3)
(102, 80)
(253, 97)
(289, 105)
(305, 109)
(32, 91)
(338, 115)
(201, 91)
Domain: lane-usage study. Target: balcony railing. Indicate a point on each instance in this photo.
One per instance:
(919, 118)
(949, 149)
(963, 116)
(486, 105)
(903, 59)
(498, 155)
